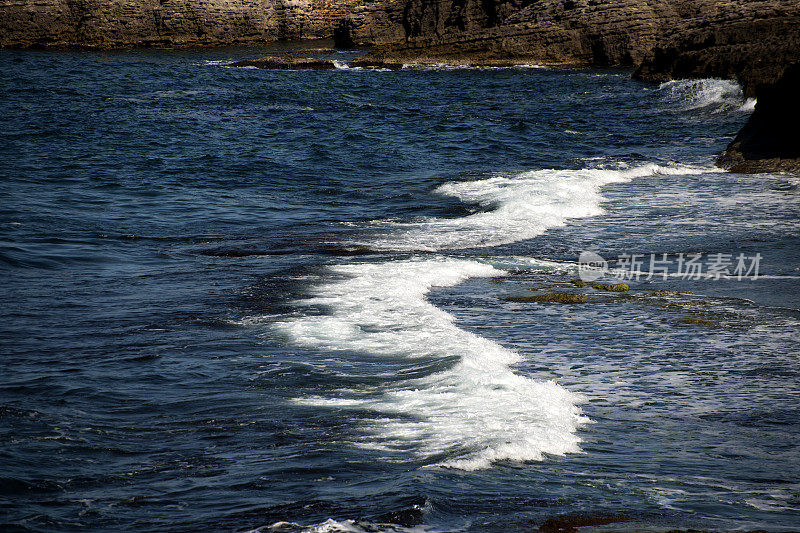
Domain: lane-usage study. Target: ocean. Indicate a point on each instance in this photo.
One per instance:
(334, 301)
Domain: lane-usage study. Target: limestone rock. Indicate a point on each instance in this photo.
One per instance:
(121, 23)
(751, 41)
(585, 32)
(544, 31)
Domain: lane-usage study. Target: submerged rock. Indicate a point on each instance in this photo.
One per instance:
(611, 287)
(661, 293)
(551, 297)
(571, 524)
(287, 62)
(700, 321)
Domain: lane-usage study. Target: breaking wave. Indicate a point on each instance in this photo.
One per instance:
(474, 413)
(711, 94)
(512, 209)
(478, 410)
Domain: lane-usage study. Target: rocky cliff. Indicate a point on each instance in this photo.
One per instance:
(559, 31)
(591, 32)
(770, 141)
(120, 23)
(761, 49)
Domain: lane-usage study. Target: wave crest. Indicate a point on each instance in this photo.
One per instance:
(715, 95)
(468, 416)
(512, 209)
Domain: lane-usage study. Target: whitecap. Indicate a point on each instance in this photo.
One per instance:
(217, 62)
(478, 410)
(712, 94)
(474, 413)
(749, 105)
(340, 526)
(512, 209)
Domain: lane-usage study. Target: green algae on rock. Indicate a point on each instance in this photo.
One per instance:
(662, 293)
(700, 321)
(551, 297)
(611, 287)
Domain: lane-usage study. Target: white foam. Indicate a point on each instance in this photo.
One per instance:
(476, 412)
(217, 62)
(514, 208)
(342, 65)
(340, 526)
(448, 66)
(749, 105)
(714, 94)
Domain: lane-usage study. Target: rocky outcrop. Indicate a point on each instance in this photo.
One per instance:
(287, 62)
(770, 141)
(753, 41)
(121, 23)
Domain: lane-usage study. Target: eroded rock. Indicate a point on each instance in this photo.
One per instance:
(770, 141)
(118, 23)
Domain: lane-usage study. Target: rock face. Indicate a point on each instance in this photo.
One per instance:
(754, 43)
(770, 141)
(589, 32)
(622, 32)
(121, 23)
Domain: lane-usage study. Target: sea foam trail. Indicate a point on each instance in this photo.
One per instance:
(477, 411)
(340, 526)
(515, 208)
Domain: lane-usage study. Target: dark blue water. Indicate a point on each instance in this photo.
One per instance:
(237, 299)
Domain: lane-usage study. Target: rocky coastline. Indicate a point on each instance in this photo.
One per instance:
(756, 42)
